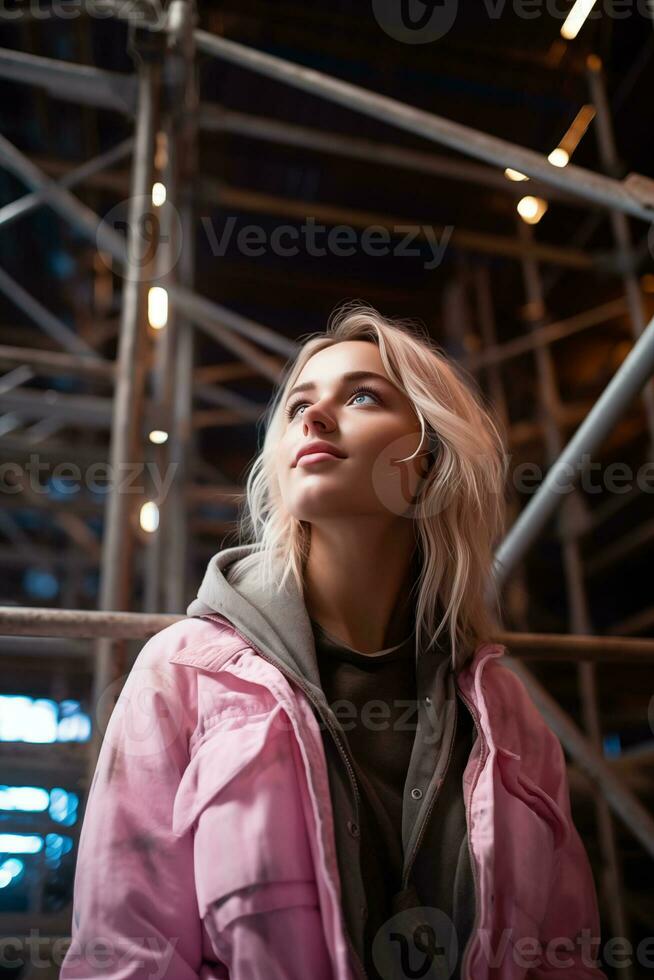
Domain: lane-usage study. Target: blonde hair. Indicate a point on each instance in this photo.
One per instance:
(460, 508)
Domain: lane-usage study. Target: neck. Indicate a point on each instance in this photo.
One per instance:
(357, 585)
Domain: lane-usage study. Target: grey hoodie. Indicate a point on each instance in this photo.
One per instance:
(277, 623)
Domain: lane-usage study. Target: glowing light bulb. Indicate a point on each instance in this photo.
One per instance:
(531, 209)
(576, 18)
(149, 517)
(157, 307)
(559, 157)
(158, 194)
(514, 174)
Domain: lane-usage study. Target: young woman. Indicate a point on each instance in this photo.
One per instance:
(325, 772)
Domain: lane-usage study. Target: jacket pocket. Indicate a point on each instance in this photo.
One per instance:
(529, 828)
(241, 796)
(271, 932)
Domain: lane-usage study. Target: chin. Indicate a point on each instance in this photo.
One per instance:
(322, 506)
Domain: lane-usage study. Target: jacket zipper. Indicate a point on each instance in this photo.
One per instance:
(351, 773)
(425, 822)
(466, 955)
(405, 881)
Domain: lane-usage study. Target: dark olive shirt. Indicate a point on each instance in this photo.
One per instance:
(372, 696)
(374, 699)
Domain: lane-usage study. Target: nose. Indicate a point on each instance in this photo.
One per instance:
(315, 419)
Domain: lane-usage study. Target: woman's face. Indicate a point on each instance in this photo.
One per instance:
(371, 429)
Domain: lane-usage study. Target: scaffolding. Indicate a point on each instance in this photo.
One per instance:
(162, 97)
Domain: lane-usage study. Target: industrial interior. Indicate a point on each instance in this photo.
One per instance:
(185, 192)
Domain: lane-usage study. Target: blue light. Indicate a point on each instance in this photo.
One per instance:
(40, 584)
(63, 487)
(60, 804)
(20, 843)
(63, 806)
(24, 719)
(55, 848)
(10, 871)
(74, 726)
(62, 264)
(612, 745)
(28, 799)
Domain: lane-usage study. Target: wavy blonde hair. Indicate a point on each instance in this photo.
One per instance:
(460, 509)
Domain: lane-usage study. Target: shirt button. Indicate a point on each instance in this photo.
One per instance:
(353, 828)
(416, 793)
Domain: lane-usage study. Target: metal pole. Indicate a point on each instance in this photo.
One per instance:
(46, 320)
(517, 601)
(211, 316)
(182, 434)
(577, 599)
(486, 321)
(54, 362)
(621, 800)
(81, 623)
(40, 621)
(161, 380)
(586, 184)
(179, 68)
(619, 222)
(548, 334)
(63, 202)
(623, 387)
(29, 202)
(475, 241)
(128, 396)
(215, 118)
(76, 83)
(181, 443)
(87, 411)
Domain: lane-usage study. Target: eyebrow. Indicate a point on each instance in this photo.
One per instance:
(351, 376)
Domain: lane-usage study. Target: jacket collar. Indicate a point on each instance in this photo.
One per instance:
(212, 657)
(275, 622)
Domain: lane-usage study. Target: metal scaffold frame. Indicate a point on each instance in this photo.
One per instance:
(164, 53)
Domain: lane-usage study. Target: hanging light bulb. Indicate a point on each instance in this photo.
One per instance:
(514, 174)
(158, 194)
(531, 209)
(576, 18)
(559, 157)
(157, 307)
(149, 516)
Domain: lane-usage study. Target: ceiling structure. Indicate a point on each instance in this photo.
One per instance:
(268, 154)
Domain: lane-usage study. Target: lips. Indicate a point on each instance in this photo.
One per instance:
(318, 447)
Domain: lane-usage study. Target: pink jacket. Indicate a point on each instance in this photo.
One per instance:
(207, 847)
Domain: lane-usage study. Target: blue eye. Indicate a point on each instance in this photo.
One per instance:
(363, 393)
(292, 409)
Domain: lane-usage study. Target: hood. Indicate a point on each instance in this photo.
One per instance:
(275, 621)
